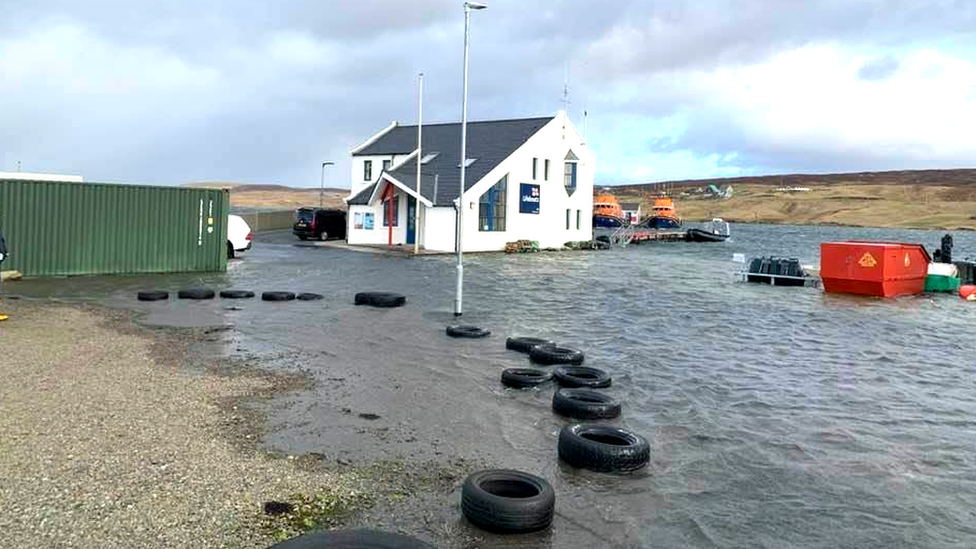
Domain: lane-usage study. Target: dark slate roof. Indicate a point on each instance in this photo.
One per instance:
(489, 143)
(362, 197)
(630, 206)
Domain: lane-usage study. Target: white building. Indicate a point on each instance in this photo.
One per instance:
(528, 179)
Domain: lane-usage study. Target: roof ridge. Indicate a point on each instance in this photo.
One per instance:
(470, 122)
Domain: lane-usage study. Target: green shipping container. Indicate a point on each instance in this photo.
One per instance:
(59, 228)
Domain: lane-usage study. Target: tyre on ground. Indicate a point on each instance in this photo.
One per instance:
(323, 236)
(525, 344)
(503, 500)
(196, 293)
(521, 378)
(277, 296)
(380, 299)
(154, 295)
(307, 296)
(236, 294)
(472, 332)
(603, 448)
(352, 539)
(230, 250)
(554, 354)
(582, 376)
(585, 404)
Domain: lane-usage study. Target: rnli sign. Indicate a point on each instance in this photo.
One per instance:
(529, 198)
(867, 260)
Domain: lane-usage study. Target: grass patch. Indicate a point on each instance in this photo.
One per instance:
(313, 512)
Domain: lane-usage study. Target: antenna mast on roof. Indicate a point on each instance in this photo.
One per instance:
(565, 101)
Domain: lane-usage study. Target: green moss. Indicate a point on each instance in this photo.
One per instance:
(315, 512)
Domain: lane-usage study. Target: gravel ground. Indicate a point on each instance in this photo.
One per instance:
(106, 439)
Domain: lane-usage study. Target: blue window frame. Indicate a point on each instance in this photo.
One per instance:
(491, 207)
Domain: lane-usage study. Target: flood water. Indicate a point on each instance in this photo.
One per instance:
(777, 417)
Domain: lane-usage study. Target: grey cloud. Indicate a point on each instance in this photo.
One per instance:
(878, 68)
(168, 92)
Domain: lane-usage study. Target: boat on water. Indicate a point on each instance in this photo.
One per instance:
(663, 215)
(608, 218)
(716, 230)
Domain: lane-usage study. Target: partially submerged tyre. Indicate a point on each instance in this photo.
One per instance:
(277, 296)
(152, 296)
(306, 296)
(521, 378)
(554, 354)
(380, 299)
(352, 539)
(585, 404)
(473, 332)
(525, 344)
(502, 500)
(603, 448)
(196, 293)
(582, 376)
(236, 294)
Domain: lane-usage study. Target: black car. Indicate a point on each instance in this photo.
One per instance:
(319, 224)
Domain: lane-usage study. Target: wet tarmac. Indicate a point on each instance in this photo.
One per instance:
(777, 417)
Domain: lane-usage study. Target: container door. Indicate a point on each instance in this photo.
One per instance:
(411, 220)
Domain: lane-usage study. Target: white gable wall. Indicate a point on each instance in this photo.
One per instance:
(357, 182)
(548, 227)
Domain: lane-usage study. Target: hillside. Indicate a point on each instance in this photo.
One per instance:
(275, 197)
(942, 199)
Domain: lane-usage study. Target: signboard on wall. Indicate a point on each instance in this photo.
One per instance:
(528, 198)
(368, 221)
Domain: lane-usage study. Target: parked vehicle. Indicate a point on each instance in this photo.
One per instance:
(319, 224)
(238, 235)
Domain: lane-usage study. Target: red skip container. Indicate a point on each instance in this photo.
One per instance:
(882, 269)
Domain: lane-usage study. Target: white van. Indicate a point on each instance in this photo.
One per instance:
(238, 235)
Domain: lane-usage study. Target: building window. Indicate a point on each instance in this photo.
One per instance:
(386, 164)
(491, 207)
(535, 169)
(568, 213)
(579, 219)
(368, 170)
(396, 211)
(569, 172)
(545, 172)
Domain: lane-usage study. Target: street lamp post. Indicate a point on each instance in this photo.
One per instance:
(468, 6)
(322, 182)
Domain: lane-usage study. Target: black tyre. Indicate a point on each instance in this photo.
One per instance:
(524, 377)
(525, 344)
(585, 404)
(352, 539)
(503, 500)
(196, 293)
(603, 448)
(380, 299)
(230, 250)
(323, 236)
(554, 354)
(236, 294)
(153, 296)
(467, 331)
(277, 296)
(309, 297)
(582, 376)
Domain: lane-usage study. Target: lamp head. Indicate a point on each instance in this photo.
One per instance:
(474, 6)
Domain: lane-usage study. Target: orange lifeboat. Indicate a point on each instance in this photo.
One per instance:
(607, 204)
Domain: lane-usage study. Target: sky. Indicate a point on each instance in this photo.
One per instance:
(265, 91)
